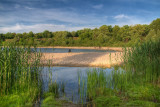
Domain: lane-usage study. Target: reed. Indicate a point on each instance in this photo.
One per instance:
(135, 83)
(20, 82)
(144, 61)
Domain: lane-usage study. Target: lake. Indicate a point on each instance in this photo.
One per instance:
(70, 77)
(65, 50)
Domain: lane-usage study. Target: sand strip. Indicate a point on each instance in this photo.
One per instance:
(87, 59)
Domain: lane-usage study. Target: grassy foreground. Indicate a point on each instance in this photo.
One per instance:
(20, 83)
(137, 84)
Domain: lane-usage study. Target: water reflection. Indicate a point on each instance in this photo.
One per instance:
(68, 76)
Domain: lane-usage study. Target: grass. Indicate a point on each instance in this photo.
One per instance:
(20, 83)
(137, 84)
(144, 61)
(49, 100)
(50, 97)
(107, 101)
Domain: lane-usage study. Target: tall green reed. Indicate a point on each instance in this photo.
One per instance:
(19, 72)
(137, 79)
(93, 85)
(144, 60)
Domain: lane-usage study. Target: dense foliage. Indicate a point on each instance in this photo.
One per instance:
(103, 36)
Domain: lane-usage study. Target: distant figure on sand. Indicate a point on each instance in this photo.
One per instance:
(69, 50)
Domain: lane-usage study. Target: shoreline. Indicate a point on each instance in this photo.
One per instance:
(120, 49)
(83, 59)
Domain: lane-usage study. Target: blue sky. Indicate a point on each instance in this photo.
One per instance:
(71, 15)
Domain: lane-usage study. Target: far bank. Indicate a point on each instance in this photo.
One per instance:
(120, 49)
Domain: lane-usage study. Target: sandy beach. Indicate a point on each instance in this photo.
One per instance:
(85, 59)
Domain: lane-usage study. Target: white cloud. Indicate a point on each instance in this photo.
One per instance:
(121, 16)
(11, 28)
(19, 28)
(122, 19)
(33, 15)
(98, 6)
(38, 20)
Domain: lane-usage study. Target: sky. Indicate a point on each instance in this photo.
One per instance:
(70, 15)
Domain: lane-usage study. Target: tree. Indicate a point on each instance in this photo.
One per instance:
(30, 34)
(47, 34)
(115, 32)
(104, 29)
(9, 35)
(151, 35)
(2, 38)
(101, 39)
(158, 33)
(137, 30)
(18, 36)
(31, 41)
(74, 34)
(110, 28)
(86, 34)
(146, 31)
(38, 35)
(25, 35)
(155, 25)
(124, 34)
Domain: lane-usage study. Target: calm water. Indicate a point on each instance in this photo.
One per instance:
(65, 50)
(68, 76)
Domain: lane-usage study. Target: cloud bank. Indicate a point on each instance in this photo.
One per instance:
(59, 15)
(19, 28)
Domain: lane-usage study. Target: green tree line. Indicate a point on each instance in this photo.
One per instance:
(102, 36)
